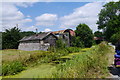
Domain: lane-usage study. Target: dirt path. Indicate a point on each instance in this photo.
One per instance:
(114, 72)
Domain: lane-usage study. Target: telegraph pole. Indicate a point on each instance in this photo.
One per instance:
(36, 31)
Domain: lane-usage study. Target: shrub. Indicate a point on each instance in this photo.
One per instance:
(12, 68)
(115, 38)
(73, 49)
(89, 64)
(35, 58)
(60, 44)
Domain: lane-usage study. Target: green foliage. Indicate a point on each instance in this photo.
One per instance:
(84, 36)
(98, 34)
(60, 44)
(10, 38)
(109, 19)
(73, 49)
(76, 42)
(89, 64)
(115, 37)
(0, 40)
(12, 68)
(31, 58)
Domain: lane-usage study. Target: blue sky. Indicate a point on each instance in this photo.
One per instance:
(59, 8)
(51, 15)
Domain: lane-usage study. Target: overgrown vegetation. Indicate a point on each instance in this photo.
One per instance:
(109, 19)
(12, 59)
(71, 62)
(90, 64)
(115, 37)
(84, 36)
(12, 68)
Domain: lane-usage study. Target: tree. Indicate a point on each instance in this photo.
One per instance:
(60, 44)
(115, 37)
(98, 34)
(84, 35)
(10, 38)
(76, 42)
(109, 19)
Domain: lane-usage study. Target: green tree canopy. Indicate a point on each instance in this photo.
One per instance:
(98, 34)
(115, 38)
(109, 19)
(10, 38)
(84, 35)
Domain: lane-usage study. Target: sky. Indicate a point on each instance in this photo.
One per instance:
(49, 15)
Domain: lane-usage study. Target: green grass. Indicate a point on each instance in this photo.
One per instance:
(12, 68)
(40, 71)
(13, 54)
(28, 59)
(92, 63)
(79, 63)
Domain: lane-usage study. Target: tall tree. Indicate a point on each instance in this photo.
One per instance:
(109, 19)
(84, 34)
(98, 34)
(10, 38)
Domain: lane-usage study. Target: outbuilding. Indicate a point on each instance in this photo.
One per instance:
(40, 41)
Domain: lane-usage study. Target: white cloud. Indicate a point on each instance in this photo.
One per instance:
(87, 14)
(12, 16)
(111, 0)
(56, 0)
(27, 20)
(31, 28)
(47, 30)
(20, 1)
(46, 19)
(24, 4)
(28, 16)
(27, 1)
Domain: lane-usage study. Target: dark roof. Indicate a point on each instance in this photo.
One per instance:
(36, 36)
(72, 33)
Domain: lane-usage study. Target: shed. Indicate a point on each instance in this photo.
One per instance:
(40, 41)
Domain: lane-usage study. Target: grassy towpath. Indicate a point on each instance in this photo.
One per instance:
(40, 71)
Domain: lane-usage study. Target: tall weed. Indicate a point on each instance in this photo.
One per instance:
(90, 64)
(12, 68)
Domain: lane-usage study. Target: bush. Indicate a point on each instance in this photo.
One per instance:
(12, 68)
(115, 38)
(90, 64)
(60, 44)
(35, 58)
(73, 49)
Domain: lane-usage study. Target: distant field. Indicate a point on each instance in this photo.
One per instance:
(14, 54)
